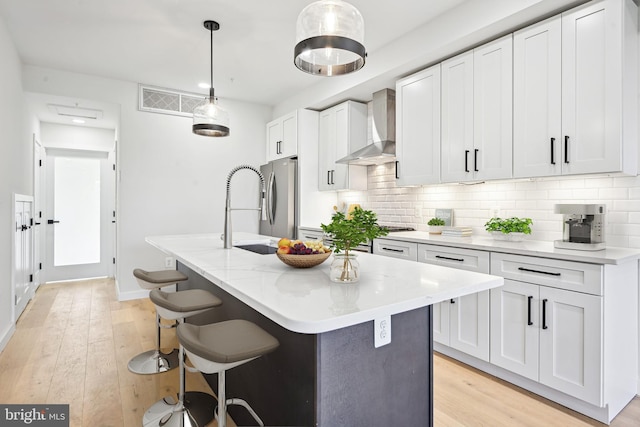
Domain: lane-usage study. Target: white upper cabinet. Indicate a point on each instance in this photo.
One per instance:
(282, 137)
(575, 80)
(477, 113)
(343, 129)
(418, 128)
(537, 62)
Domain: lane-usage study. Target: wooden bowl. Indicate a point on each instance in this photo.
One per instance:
(303, 261)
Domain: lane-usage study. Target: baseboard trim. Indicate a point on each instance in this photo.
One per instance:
(6, 336)
(131, 295)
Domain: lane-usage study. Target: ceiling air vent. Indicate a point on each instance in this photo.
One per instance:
(168, 101)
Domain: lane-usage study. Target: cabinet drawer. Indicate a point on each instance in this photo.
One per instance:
(308, 234)
(573, 276)
(396, 249)
(464, 259)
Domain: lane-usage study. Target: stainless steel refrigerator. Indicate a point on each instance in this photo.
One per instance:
(281, 178)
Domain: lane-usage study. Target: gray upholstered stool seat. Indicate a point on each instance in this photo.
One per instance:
(154, 361)
(192, 408)
(218, 347)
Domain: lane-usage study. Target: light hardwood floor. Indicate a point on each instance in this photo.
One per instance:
(74, 340)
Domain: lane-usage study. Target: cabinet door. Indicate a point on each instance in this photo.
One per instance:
(537, 100)
(441, 322)
(326, 149)
(274, 138)
(571, 343)
(469, 324)
(457, 118)
(591, 88)
(289, 145)
(340, 178)
(493, 110)
(418, 128)
(515, 328)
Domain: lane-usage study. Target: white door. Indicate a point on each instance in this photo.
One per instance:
(418, 128)
(571, 343)
(469, 327)
(38, 221)
(457, 118)
(515, 327)
(23, 253)
(493, 109)
(537, 60)
(78, 217)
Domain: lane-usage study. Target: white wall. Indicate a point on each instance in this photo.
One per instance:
(170, 180)
(55, 135)
(15, 166)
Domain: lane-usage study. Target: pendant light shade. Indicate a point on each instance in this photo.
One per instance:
(329, 39)
(209, 119)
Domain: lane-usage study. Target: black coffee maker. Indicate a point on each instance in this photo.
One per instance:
(582, 226)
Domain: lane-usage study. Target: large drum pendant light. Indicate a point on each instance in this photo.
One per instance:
(209, 119)
(329, 37)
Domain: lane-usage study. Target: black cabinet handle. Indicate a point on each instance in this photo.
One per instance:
(452, 301)
(538, 271)
(332, 172)
(544, 313)
(450, 259)
(475, 160)
(529, 322)
(52, 221)
(397, 170)
(553, 143)
(466, 160)
(392, 250)
(37, 223)
(566, 148)
(328, 175)
(278, 151)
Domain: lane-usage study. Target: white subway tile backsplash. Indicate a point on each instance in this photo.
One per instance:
(535, 199)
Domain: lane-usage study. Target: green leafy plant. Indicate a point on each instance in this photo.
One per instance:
(510, 225)
(349, 232)
(436, 222)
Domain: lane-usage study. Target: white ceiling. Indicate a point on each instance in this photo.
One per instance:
(163, 42)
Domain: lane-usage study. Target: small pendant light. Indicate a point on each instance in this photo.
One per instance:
(329, 37)
(209, 119)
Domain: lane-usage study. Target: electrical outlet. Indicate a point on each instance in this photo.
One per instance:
(382, 331)
(495, 212)
(168, 262)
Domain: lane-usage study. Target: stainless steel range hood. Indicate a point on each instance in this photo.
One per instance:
(383, 148)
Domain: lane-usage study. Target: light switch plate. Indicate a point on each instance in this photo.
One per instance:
(381, 331)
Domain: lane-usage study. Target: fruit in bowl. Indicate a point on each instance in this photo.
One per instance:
(302, 254)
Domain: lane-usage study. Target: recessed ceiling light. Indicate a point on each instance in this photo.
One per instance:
(79, 121)
(204, 85)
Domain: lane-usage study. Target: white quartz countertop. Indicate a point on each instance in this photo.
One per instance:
(610, 255)
(305, 300)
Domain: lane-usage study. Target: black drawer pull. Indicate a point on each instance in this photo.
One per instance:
(538, 271)
(475, 160)
(466, 160)
(397, 176)
(544, 313)
(450, 259)
(392, 250)
(566, 148)
(529, 322)
(452, 301)
(328, 177)
(553, 143)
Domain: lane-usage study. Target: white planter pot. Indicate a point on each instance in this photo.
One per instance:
(509, 237)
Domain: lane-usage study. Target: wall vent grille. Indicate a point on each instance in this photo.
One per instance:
(168, 101)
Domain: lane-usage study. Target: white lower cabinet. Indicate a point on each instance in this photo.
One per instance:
(461, 323)
(549, 335)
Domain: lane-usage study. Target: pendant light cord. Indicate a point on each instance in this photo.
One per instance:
(211, 91)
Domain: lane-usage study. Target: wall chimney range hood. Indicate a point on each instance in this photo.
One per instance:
(383, 148)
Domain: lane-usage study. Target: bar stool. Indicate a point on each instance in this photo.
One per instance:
(193, 408)
(154, 361)
(218, 347)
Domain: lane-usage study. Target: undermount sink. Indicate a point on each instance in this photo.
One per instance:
(259, 248)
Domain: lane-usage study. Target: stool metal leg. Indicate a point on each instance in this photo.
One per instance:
(154, 361)
(223, 403)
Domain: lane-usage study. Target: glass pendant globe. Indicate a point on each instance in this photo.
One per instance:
(209, 119)
(329, 38)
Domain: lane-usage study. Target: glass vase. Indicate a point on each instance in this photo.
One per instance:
(345, 268)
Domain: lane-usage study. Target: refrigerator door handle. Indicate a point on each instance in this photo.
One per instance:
(270, 202)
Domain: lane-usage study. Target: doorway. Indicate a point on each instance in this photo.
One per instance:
(79, 197)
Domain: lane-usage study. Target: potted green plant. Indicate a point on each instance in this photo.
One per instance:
(347, 232)
(512, 229)
(436, 225)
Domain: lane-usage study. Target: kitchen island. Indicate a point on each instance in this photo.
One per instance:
(327, 370)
